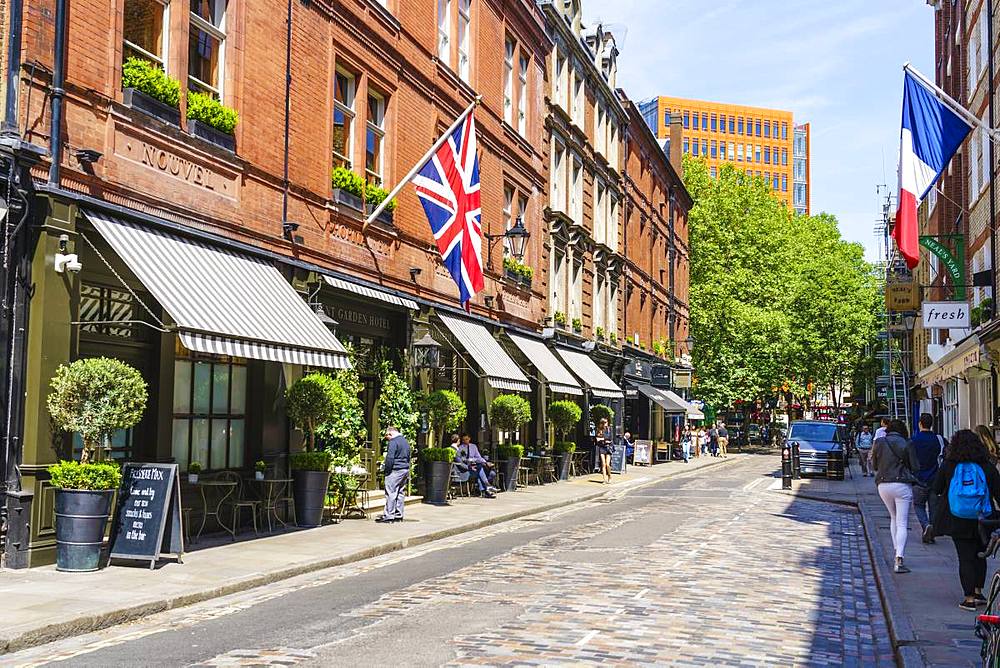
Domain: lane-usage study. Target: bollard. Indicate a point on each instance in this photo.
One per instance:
(795, 460)
(786, 467)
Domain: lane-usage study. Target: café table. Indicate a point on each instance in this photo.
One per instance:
(354, 487)
(272, 490)
(216, 491)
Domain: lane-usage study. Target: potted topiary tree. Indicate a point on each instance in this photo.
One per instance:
(310, 402)
(564, 416)
(508, 413)
(599, 412)
(94, 397)
(437, 474)
(445, 413)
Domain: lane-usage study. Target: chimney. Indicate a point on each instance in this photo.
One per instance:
(676, 149)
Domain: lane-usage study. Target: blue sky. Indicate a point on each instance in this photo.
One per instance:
(837, 65)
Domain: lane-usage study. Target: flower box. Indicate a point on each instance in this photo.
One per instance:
(211, 135)
(341, 196)
(150, 106)
(385, 217)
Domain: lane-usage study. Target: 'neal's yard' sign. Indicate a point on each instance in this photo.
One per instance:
(148, 519)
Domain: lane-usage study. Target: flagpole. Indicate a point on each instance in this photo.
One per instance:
(420, 163)
(951, 102)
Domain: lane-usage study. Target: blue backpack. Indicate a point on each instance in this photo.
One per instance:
(968, 495)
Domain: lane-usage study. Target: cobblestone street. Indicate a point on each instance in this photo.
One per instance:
(708, 569)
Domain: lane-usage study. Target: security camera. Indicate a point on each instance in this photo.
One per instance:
(67, 262)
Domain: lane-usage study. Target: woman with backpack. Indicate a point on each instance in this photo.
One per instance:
(894, 461)
(968, 486)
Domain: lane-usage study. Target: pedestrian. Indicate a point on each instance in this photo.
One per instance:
(968, 486)
(883, 425)
(699, 441)
(397, 470)
(895, 461)
(479, 466)
(928, 447)
(605, 446)
(686, 438)
(723, 440)
(629, 444)
(985, 435)
(713, 440)
(864, 445)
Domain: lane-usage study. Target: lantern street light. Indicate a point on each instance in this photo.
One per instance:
(426, 353)
(517, 236)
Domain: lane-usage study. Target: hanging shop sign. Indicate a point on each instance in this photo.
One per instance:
(954, 262)
(902, 296)
(682, 378)
(946, 315)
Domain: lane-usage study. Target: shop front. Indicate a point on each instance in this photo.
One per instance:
(216, 331)
(960, 383)
(600, 389)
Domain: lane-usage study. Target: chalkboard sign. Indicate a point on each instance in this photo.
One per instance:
(618, 458)
(643, 453)
(148, 519)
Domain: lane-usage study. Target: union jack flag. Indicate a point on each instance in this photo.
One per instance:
(448, 188)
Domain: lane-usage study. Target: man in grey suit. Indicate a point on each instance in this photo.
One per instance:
(397, 470)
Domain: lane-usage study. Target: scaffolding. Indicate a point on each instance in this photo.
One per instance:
(896, 343)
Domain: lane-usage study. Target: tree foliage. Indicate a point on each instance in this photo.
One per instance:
(310, 402)
(96, 397)
(445, 412)
(776, 298)
(344, 429)
(509, 411)
(564, 415)
(397, 403)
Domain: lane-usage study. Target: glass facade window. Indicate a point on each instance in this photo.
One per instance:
(784, 183)
(209, 412)
(206, 38)
(695, 149)
(704, 146)
(757, 127)
(713, 171)
(739, 152)
(784, 157)
(784, 130)
(715, 150)
(142, 30)
(687, 119)
(774, 129)
(739, 125)
(704, 122)
(374, 138)
(767, 129)
(686, 146)
(343, 117)
(767, 155)
(732, 125)
(694, 119)
(714, 123)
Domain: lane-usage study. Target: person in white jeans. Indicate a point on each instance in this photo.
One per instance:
(895, 460)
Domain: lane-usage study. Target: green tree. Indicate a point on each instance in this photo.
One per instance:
(564, 416)
(508, 412)
(310, 402)
(445, 411)
(344, 430)
(397, 403)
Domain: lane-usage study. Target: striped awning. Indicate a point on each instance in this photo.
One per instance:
(662, 398)
(371, 293)
(598, 382)
(501, 372)
(222, 301)
(690, 409)
(556, 375)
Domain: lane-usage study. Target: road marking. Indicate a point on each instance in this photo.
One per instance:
(641, 593)
(586, 639)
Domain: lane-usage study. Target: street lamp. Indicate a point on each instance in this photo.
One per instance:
(426, 352)
(517, 237)
(689, 343)
(330, 323)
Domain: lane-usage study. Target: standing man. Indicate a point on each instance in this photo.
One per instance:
(929, 447)
(713, 440)
(723, 440)
(397, 470)
(864, 445)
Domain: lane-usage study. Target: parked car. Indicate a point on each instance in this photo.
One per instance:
(821, 447)
(754, 436)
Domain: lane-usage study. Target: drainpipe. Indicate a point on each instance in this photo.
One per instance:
(993, 207)
(288, 108)
(10, 125)
(58, 92)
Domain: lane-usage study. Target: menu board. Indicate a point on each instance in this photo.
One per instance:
(618, 458)
(643, 452)
(148, 517)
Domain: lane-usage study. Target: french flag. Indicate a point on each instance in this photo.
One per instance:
(930, 135)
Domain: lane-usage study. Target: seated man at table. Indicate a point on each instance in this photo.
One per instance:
(481, 468)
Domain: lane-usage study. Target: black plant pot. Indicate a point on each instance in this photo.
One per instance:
(509, 468)
(437, 478)
(346, 198)
(309, 493)
(565, 459)
(81, 517)
(150, 106)
(210, 134)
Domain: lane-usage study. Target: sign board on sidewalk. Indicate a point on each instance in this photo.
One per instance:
(148, 518)
(946, 315)
(643, 452)
(618, 458)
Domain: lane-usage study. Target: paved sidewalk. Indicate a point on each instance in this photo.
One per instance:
(922, 606)
(41, 605)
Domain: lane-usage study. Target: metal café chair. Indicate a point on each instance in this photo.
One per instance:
(240, 502)
(460, 481)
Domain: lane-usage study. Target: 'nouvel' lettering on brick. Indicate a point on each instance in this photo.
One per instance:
(177, 166)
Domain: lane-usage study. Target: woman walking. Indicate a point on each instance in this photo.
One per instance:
(686, 444)
(894, 461)
(967, 464)
(985, 435)
(604, 447)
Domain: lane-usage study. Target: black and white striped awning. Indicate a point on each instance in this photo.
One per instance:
(371, 293)
(598, 382)
(502, 373)
(222, 301)
(556, 375)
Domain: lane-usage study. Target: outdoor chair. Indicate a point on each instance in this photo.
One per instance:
(460, 481)
(240, 502)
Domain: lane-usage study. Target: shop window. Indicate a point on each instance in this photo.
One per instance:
(207, 38)
(375, 138)
(143, 30)
(110, 312)
(344, 87)
(209, 411)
